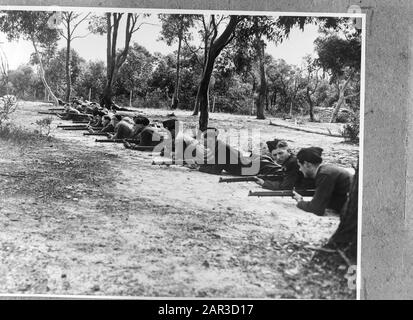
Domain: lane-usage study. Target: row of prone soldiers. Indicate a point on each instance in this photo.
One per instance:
(277, 169)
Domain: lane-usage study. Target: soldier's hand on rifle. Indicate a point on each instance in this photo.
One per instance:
(297, 196)
(259, 181)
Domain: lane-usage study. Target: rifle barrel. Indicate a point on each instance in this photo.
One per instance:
(143, 148)
(45, 112)
(281, 193)
(56, 109)
(72, 126)
(252, 178)
(95, 134)
(238, 179)
(110, 140)
(75, 128)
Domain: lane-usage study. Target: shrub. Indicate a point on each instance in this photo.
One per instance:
(344, 116)
(8, 104)
(22, 136)
(44, 126)
(351, 130)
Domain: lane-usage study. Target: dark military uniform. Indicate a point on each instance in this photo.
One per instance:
(145, 137)
(292, 178)
(233, 162)
(108, 129)
(332, 185)
(149, 136)
(123, 130)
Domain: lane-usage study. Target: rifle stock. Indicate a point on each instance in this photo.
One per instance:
(281, 193)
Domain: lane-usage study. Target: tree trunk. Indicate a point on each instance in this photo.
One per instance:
(114, 60)
(42, 74)
(68, 77)
(106, 97)
(196, 108)
(197, 100)
(260, 102)
(214, 50)
(310, 104)
(175, 99)
(203, 95)
(340, 100)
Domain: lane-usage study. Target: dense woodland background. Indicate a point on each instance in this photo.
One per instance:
(219, 65)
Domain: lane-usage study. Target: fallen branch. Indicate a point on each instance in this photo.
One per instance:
(343, 255)
(320, 249)
(12, 175)
(306, 130)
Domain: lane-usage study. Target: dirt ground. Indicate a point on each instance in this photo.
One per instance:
(83, 218)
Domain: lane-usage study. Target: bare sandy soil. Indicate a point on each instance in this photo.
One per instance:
(83, 218)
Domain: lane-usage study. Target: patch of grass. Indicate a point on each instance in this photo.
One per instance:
(22, 136)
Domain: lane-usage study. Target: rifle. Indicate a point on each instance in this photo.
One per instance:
(72, 126)
(171, 162)
(116, 140)
(142, 148)
(45, 112)
(75, 128)
(95, 134)
(272, 177)
(56, 109)
(281, 193)
(80, 121)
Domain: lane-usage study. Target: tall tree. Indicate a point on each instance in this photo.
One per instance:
(32, 26)
(21, 81)
(56, 67)
(251, 33)
(114, 58)
(4, 71)
(311, 71)
(208, 25)
(70, 21)
(91, 79)
(175, 27)
(215, 45)
(136, 72)
(342, 58)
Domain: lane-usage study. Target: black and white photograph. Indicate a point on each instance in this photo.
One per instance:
(165, 153)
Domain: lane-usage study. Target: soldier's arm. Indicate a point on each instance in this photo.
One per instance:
(322, 196)
(108, 128)
(289, 181)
